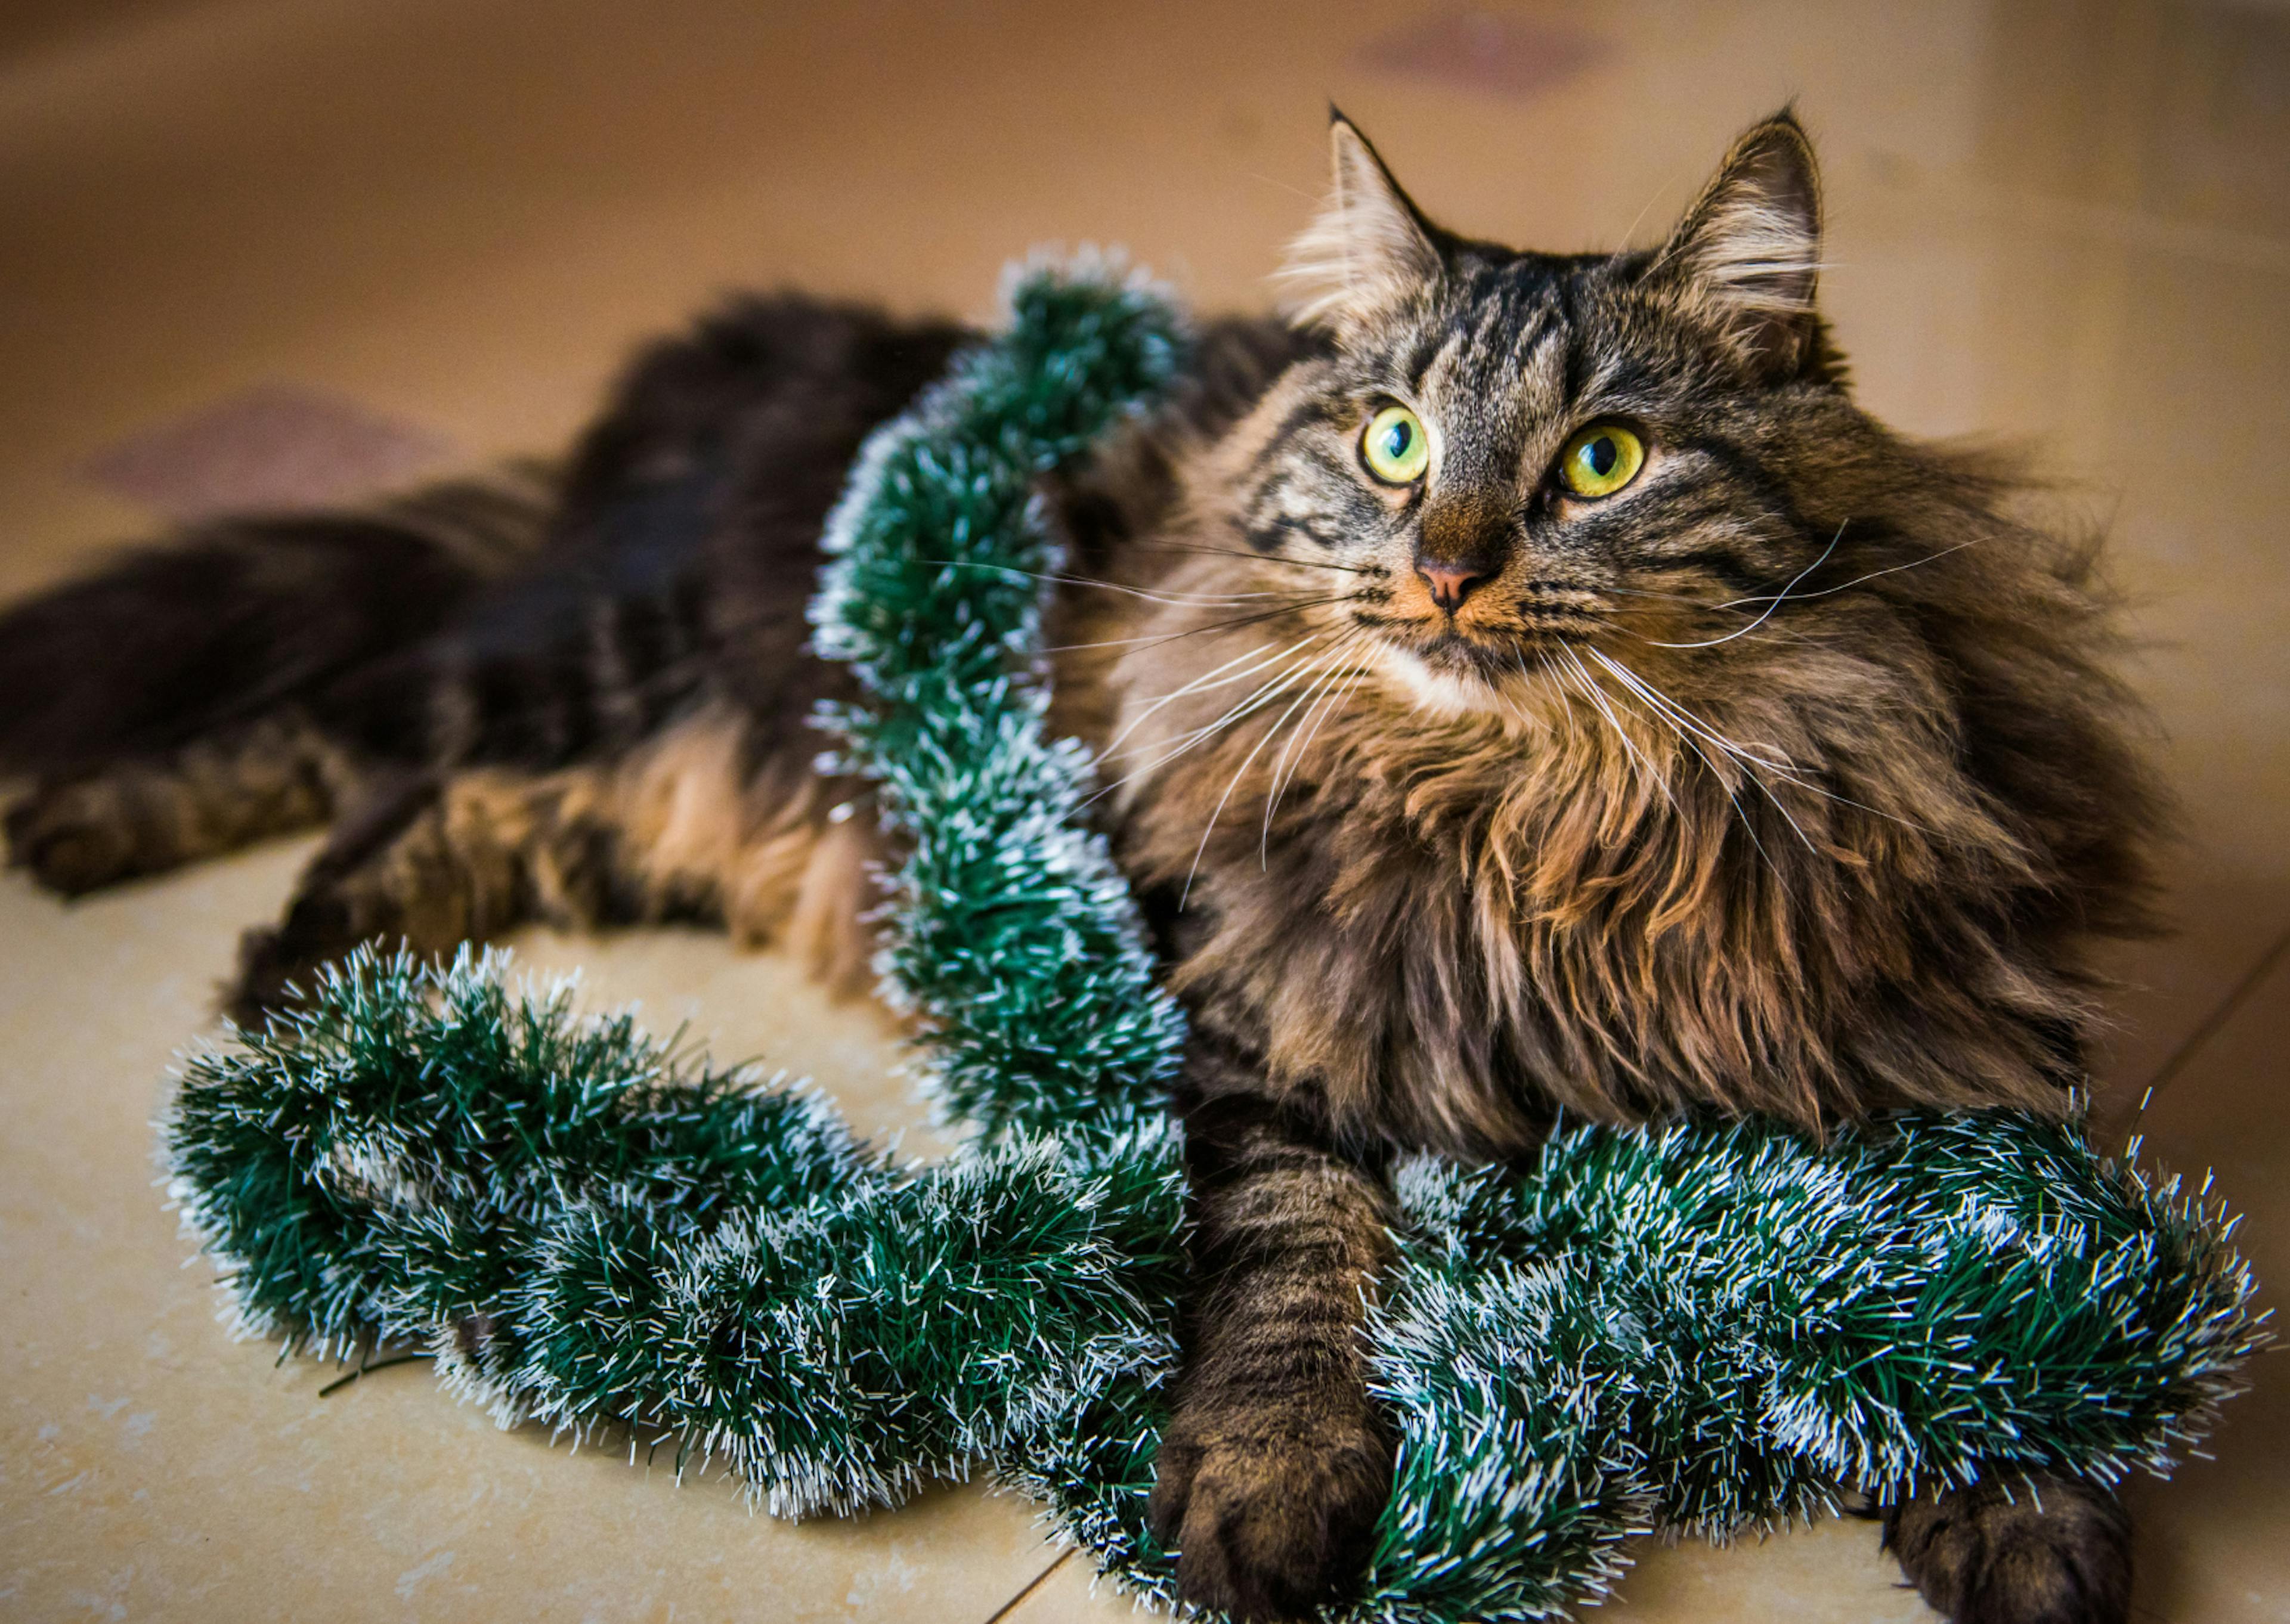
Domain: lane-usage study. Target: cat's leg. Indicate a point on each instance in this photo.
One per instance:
(2032, 1549)
(79, 831)
(420, 859)
(242, 618)
(720, 819)
(1274, 1463)
(691, 823)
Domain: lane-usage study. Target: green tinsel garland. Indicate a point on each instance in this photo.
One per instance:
(1704, 1326)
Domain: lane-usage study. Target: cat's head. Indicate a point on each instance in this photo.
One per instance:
(1522, 458)
(1746, 752)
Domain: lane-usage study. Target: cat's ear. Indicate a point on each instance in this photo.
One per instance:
(1370, 246)
(1748, 253)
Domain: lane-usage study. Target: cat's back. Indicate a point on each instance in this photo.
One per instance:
(682, 545)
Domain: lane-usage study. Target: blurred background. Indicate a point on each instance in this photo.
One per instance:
(265, 250)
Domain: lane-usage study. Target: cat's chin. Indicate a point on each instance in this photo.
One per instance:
(1445, 688)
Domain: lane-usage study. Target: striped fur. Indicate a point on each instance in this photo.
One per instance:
(580, 697)
(237, 618)
(2017, 1549)
(1274, 1464)
(1789, 778)
(688, 825)
(80, 831)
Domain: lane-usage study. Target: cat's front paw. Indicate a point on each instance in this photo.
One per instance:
(1270, 1511)
(278, 968)
(73, 837)
(2038, 1549)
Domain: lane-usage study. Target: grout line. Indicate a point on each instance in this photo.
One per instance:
(2192, 1044)
(1036, 1583)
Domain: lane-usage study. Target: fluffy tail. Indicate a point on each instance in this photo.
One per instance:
(240, 616)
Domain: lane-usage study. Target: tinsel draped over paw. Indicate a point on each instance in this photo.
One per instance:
(1704, 1326)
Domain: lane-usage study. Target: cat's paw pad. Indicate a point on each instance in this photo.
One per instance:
(267, 980)
(73, 837)
(278, 968)
(2017, 1550)
(1270, 1522)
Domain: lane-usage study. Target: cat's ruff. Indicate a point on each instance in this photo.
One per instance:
(1711, 1327)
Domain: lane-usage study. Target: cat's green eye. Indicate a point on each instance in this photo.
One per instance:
(1395, 448)
(1601, 460)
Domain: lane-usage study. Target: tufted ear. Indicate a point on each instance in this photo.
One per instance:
(1370, 246)
(1747, 254)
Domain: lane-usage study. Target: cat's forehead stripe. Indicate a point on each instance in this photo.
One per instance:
(1499, 371)
(1424, 352)
(1311, 409)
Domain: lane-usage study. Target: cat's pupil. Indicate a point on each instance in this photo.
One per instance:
(1396, 440)
(1601, 455)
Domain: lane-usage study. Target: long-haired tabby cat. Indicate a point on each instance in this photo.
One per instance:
(1526, 684)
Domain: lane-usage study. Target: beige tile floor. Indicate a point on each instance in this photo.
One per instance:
(2067, 222)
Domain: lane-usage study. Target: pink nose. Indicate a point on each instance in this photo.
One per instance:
(1450, 583)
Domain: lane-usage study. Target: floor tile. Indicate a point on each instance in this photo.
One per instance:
(2056, 220)
(2212, 1541)
(150, 1467)
(1832, 1571)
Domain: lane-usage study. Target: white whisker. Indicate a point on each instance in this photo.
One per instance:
(1739, 811)
(1205, 681)
(1201, 851)
(1787, 771)
(1301, 740)
(1597, 698)
(1257, 557)
(1661, 701)
(1217, 599)
(1778, 600)
(1264, 849)
(1155, 639)
(1892, 569)
(1264, 695)
(1661, 707)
